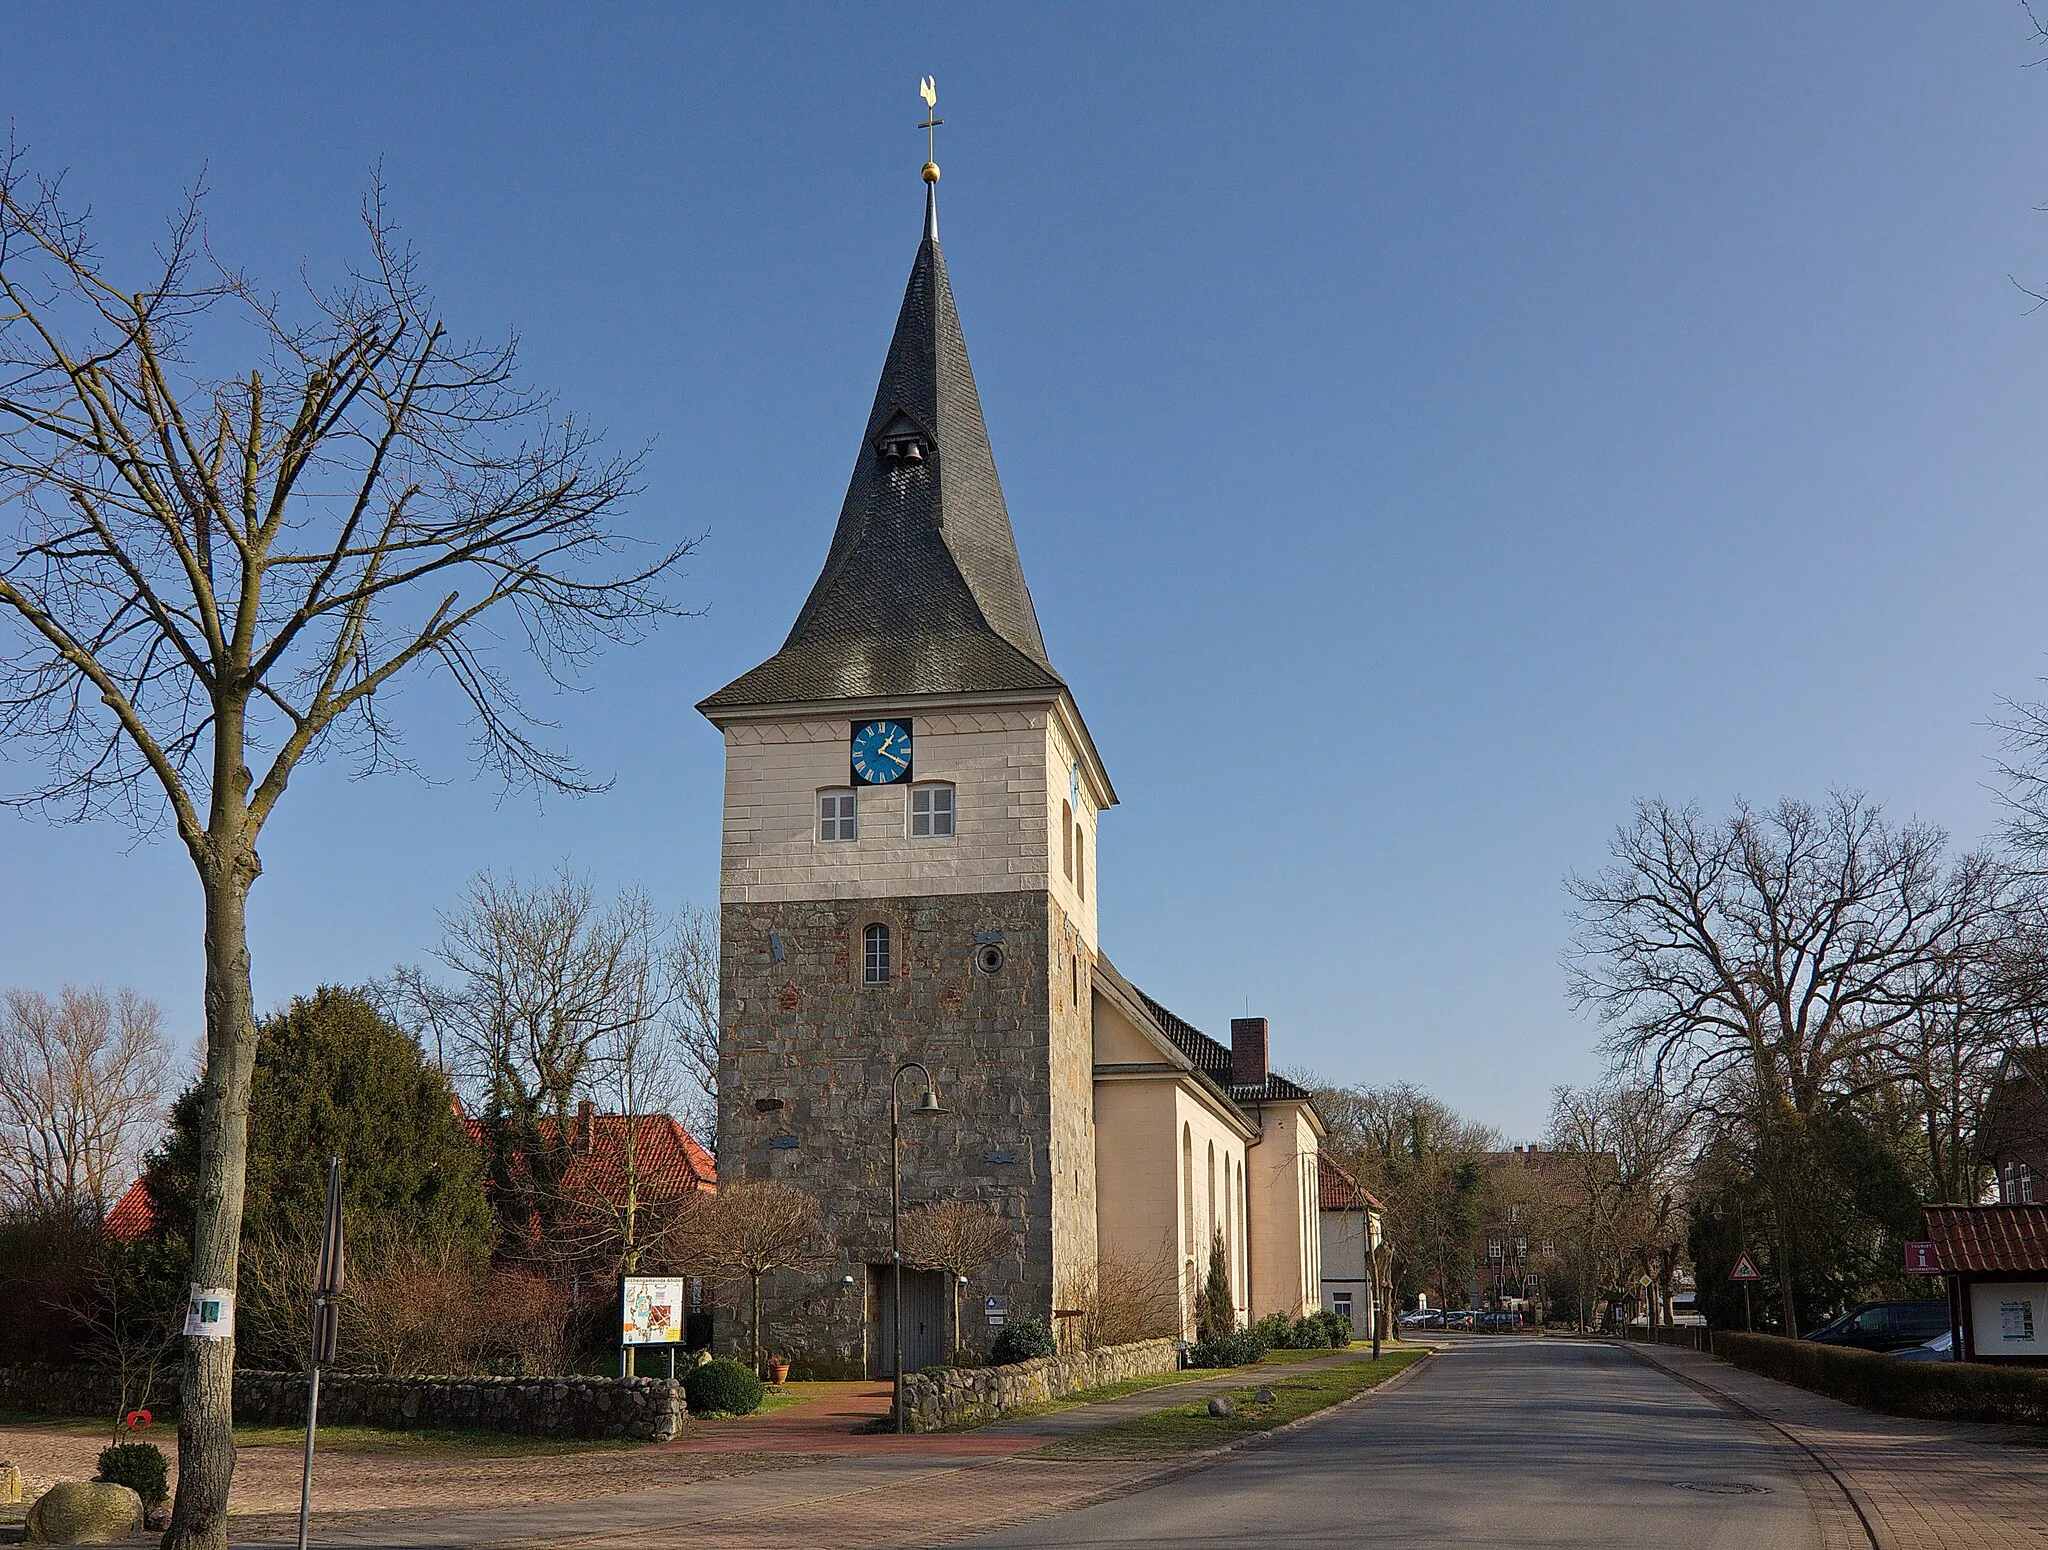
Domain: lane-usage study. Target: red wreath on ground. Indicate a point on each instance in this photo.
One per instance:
(138, 1420)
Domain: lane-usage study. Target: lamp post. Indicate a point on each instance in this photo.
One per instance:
(928, 1104)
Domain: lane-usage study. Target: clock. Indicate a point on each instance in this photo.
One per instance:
(881, 752)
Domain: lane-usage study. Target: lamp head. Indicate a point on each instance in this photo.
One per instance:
(928, 1104)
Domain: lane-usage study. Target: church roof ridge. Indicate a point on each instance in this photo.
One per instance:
(922, 591)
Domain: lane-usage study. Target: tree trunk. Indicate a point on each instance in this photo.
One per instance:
(754, 1325)
(206, 1439)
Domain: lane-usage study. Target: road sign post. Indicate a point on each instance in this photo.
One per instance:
(1745, 1271)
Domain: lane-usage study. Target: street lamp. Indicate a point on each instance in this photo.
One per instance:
(928, 1104)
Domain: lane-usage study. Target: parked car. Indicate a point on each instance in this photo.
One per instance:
(1458, 1318)
(1423, 1318)
(1506, 1320)
(1940, 1349)
(1886, 1326)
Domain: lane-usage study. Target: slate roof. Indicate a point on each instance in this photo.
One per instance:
(1213, 1060)
(922, 591)
(1979, 1239)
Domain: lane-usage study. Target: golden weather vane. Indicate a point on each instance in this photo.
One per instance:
(928, 88)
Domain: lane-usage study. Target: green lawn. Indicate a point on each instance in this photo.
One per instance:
(1186, 1428)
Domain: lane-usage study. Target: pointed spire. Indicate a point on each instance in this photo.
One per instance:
(922, 591)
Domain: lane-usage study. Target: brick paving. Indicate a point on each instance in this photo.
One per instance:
(1918, 1485)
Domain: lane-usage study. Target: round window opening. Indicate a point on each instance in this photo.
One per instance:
(989, 958)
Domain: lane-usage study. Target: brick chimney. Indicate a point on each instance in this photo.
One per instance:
(582, 1138)
(1247, 1051)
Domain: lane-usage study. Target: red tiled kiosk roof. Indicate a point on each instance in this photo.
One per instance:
(1975, 1240)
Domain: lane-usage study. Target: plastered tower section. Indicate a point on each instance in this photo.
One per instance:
(1008, 1051)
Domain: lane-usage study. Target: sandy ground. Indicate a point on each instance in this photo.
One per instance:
(395, 1478)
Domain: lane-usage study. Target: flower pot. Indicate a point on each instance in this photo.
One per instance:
(778, 1373)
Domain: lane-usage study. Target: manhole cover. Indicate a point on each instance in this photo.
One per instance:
(1723, 1487)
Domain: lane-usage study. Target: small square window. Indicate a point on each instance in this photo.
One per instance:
(837, 816)
(931, 812)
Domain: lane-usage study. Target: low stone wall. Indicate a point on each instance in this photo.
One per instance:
(964, 1396)
(649, 1409)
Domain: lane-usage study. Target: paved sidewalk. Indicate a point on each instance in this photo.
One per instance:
(1917, 1485)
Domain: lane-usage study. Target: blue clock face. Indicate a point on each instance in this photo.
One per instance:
(881, 752)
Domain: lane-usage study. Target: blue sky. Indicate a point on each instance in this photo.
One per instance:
(1426, 429)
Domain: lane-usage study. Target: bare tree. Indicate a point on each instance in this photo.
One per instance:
(1760, 964)
(693, 974)
(960, 1237)
(553, 996)
(212, 574)
(82, 1087)
(1425, 1164)
(751, 1228)
(1617, 1150)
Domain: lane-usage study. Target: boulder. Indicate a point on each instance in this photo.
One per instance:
(1264, 1396)
(84, 1512)
(1223, 1404)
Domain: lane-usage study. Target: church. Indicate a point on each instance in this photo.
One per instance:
(909, 873)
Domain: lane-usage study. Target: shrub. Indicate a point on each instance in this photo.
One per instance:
(723, 1387)
(1239, 1348)
(1021, 1341)
(140, 1466)
(1950, 1391)
(1335, 1326)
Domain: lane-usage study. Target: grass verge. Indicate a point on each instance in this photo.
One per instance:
(1188, 1428)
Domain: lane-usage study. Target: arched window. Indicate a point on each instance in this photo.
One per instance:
(1212, 1189)
(1080, 861)
(1187, 1173)
(1067, 838)
(875, 965)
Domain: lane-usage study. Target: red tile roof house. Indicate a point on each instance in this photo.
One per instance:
(1352, 1227)
(666, 1160)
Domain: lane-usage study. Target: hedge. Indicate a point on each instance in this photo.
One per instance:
(1947, 1391)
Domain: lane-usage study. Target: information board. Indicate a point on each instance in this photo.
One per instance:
(650, 1310)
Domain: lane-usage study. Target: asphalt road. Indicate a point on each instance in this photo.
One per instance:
(1503, 1441)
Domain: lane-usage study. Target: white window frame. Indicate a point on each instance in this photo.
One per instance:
(868, 940)
(931, 790)
(845, 816)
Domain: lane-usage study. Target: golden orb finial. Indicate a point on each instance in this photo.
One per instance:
(931, 172)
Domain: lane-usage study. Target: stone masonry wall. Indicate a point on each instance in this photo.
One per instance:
(806, 1033)
(649, 1409)
(953, 1396)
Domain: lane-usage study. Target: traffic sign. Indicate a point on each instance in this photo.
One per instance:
(1745, 1268)
(1921, 1260)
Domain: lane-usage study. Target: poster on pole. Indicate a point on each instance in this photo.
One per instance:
(651, 1310)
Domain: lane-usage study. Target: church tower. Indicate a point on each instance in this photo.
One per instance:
(909, 873)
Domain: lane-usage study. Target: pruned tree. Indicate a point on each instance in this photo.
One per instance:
(960, 1237)
(1760, 965)
(83, 1081)
(212, 573)
(750, 1229)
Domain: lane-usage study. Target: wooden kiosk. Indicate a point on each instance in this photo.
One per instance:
(1995, 1260)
